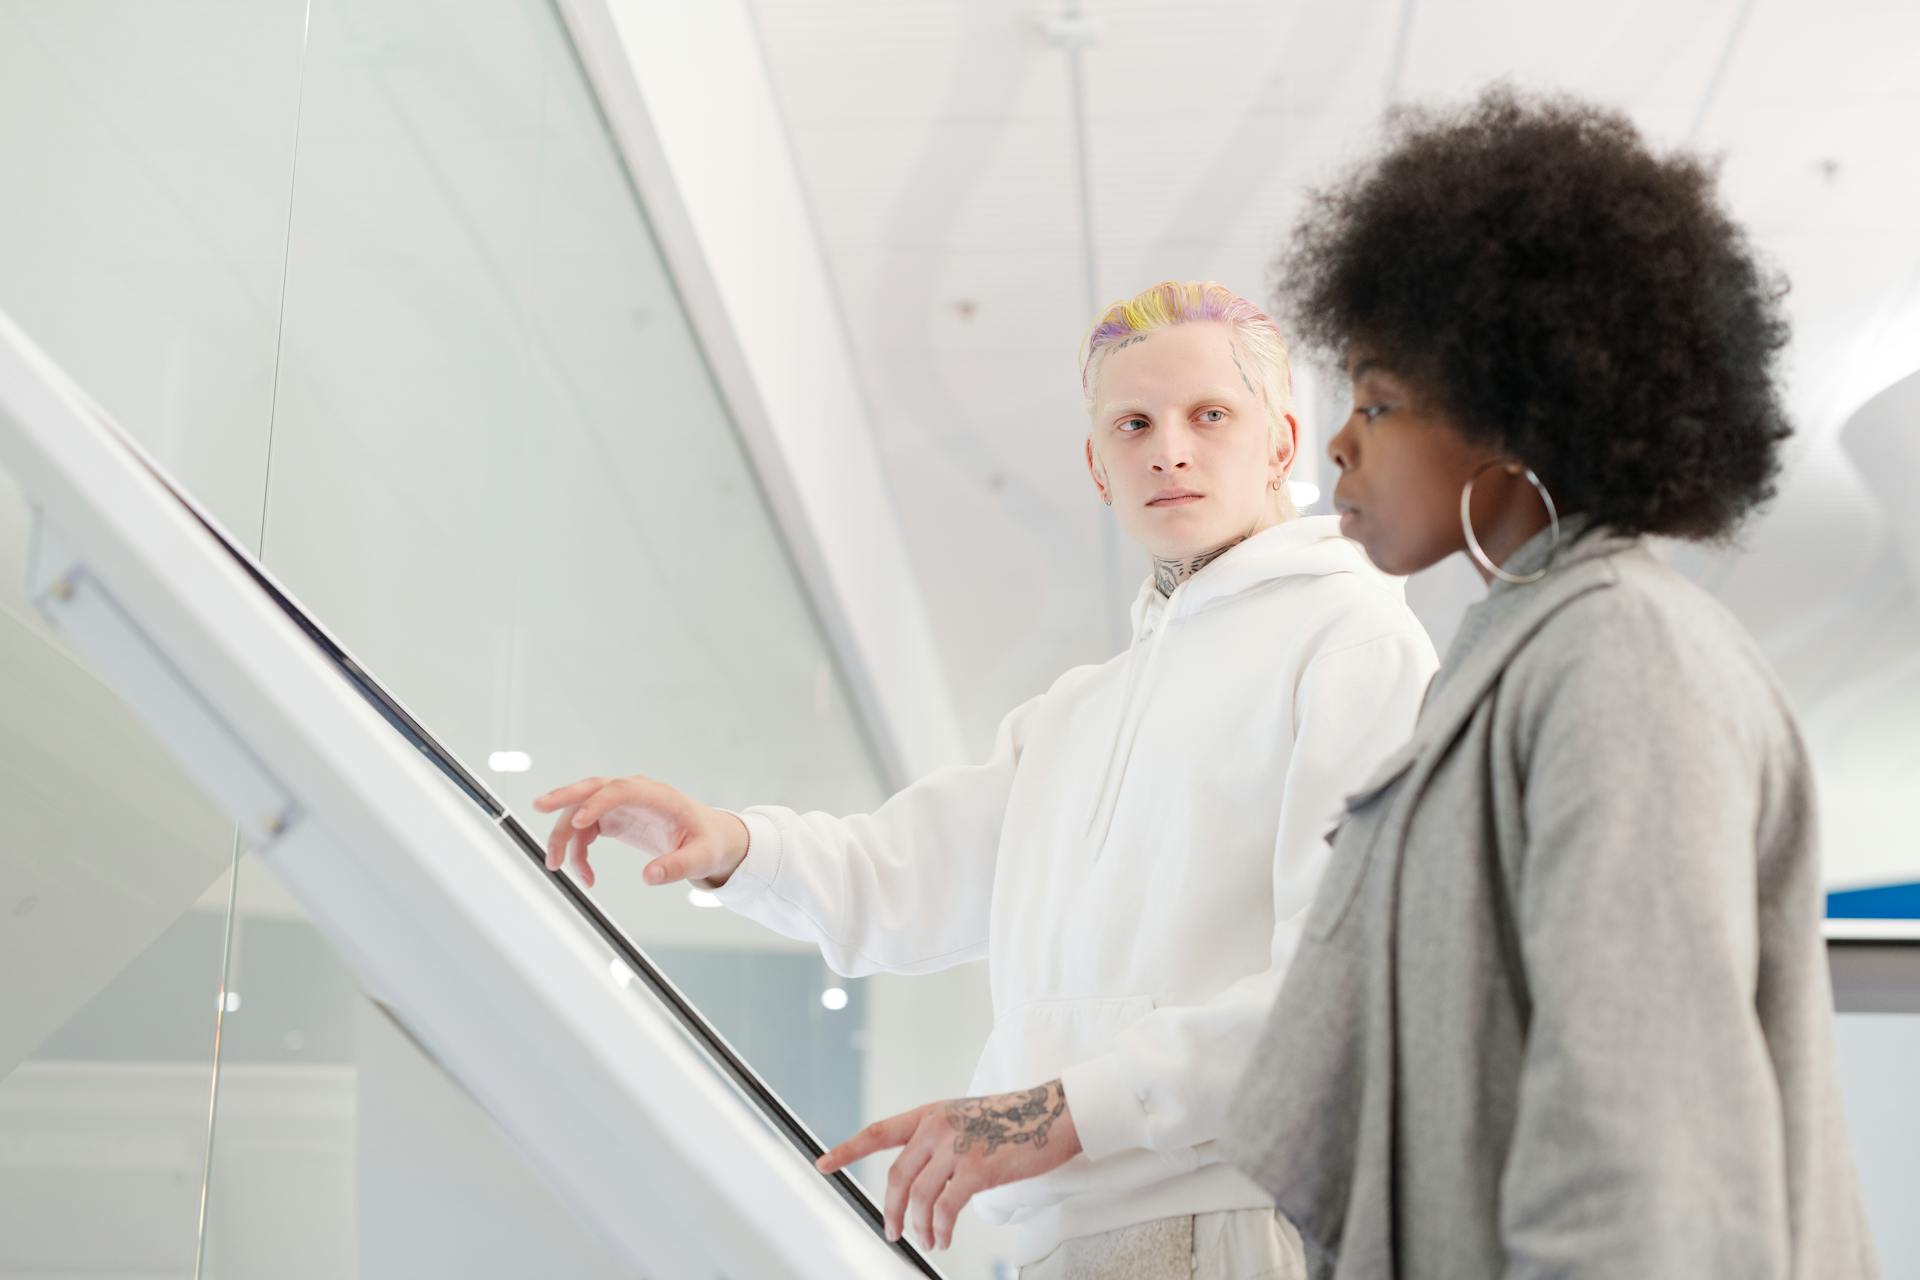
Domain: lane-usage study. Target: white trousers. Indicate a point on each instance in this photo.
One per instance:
(1238, 1244)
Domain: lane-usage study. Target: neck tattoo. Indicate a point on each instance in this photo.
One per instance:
(1168, 574)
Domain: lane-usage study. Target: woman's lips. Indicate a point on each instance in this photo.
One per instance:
(1174, 500)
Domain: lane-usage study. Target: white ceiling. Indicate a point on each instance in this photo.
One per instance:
(935, 140)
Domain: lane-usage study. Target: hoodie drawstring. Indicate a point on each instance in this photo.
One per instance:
(1310, 546)
(1126, 729)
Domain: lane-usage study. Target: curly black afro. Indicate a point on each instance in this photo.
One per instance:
(1564, 294)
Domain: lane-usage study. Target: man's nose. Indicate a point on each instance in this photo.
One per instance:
(1172, 452)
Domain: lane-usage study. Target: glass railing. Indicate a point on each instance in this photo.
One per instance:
(104, 598)
(371, 281)
(722, 1055)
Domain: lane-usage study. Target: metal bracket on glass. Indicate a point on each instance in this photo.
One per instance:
(125, 658)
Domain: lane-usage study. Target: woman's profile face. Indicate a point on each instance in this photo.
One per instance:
(1402, 466)
(1181, 441)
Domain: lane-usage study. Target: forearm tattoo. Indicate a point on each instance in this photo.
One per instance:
(1168, 574)
(1007, 1119)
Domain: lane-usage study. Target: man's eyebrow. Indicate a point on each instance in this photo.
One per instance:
(1365, 367)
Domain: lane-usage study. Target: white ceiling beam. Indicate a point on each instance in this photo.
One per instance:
(686, 95)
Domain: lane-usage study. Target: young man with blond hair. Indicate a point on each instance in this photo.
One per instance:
(1135, 856)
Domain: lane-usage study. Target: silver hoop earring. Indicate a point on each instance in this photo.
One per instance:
(1473, 543)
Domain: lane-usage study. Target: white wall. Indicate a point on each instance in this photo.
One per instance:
(1877, 1055)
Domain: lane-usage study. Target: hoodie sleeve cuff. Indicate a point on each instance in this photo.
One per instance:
(757, 871)
(1106, 1115)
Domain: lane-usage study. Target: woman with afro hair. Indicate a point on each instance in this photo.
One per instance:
(1562, 1008)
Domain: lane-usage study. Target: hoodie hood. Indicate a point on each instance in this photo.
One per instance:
(1308, 546)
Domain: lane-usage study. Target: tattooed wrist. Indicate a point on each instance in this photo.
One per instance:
(1007, 1119)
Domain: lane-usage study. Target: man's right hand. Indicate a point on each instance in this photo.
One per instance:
(687, 840)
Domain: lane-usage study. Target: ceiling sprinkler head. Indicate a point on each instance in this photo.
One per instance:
(1071, 28)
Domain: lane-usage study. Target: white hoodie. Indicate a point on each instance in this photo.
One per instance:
(1134, 860)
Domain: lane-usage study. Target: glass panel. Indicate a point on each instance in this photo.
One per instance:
(147, 152)
(342, 1149)
(502, 475)
(503, 478)
(113, 891)
(495, 448)
(282, 1191)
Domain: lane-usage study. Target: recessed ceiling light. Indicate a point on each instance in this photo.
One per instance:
(509, 762)
(230, 1002)
(834, 998)
(622, 976)
(1304, 492)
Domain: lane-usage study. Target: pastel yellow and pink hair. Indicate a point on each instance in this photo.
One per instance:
(1257, 345)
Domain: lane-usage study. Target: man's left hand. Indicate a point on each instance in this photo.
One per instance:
(958, 1148)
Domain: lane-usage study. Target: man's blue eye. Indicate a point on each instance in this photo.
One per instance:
(1370, 411)
(1214, 415)
(1129, 423)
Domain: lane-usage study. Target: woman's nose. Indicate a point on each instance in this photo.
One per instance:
(1340, 448)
